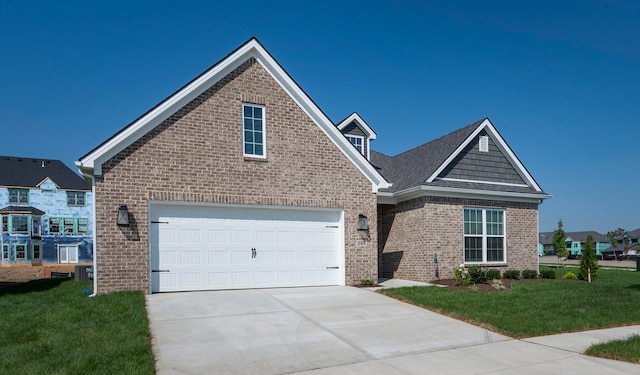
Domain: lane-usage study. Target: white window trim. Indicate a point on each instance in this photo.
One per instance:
(264, 132)
(485, 236)
(361, 138)
(77, 253)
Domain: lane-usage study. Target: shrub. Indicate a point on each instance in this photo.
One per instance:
(477, 275)
(497, 284)
(474, 288)
(548, 274)
(529, 274)
(461, 276)
(512, 274)
(570, 276)
(588, 262)
(493, 274)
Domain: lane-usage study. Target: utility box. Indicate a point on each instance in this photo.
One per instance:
(84, 273)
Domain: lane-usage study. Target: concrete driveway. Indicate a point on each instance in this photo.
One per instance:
(338, 330)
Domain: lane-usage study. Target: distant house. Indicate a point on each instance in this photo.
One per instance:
(46, 213)
(575, 243)
(627, 246)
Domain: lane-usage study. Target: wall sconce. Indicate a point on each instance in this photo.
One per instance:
(123, 216)
(363, 225)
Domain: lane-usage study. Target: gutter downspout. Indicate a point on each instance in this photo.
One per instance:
(95, 250)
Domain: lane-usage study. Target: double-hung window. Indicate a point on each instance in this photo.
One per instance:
(484, 235)
(357, 141)
(18, 196)
(253, 130)
(75, 198)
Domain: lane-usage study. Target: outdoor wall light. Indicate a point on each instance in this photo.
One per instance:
(362, 223)
(123, 216)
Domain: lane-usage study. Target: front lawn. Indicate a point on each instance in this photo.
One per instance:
(539, 307)
(51, 326)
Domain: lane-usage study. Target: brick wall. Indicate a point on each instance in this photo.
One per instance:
(411, 233)
(196, 156)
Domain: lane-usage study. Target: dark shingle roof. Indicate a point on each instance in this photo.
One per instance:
(634, 233)
(28, 172)
(21, 210)
(411, 168)
(582, 236)
(576, 236)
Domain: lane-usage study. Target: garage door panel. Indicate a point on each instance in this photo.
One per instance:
(206, 248)
(241, 279)
(217, 237)
(190, 258)
(218, 258)
(169, 257)
(190, 236)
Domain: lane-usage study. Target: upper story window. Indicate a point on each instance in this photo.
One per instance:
(75, 198)
(484, 235)
(253, 130)
(5, 224)
(18, 196)
(357, 141)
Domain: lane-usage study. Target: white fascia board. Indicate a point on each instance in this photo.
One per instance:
(323, 122)
(439, 191)
(164, 110)
(361, 123)
(502, 145)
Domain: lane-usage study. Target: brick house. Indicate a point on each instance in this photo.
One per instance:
(46, 213)
(238, 180)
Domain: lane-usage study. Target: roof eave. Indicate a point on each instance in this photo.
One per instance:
(438, 191)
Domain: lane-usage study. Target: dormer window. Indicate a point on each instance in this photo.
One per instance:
(357, 142)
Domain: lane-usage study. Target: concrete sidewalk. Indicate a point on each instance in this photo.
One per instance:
(346, 330)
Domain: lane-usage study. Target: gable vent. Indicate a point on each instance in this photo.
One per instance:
(484, 143)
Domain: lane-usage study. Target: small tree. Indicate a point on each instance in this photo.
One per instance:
(613, 239)
(588, 261)
(560, 242)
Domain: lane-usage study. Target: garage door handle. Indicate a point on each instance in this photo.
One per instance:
(254, 253)
(160, 271)
(333, 268)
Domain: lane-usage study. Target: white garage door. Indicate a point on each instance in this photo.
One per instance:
(231, 247)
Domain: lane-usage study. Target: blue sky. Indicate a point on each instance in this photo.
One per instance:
(559, 79)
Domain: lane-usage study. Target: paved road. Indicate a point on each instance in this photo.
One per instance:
(346, 330)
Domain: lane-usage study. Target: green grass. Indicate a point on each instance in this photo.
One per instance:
(51, 326)
(621, 350)
(541, 307)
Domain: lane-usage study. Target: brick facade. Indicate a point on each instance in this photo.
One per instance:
(411, 233)
(196, 156)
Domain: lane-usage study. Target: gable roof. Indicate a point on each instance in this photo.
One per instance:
(575, 236)
(418, 170)
(91, 163)
(30, 173)
(355, 117)
(633, 234)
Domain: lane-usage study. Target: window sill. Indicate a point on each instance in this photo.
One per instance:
(255, 158)
(497, 264)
